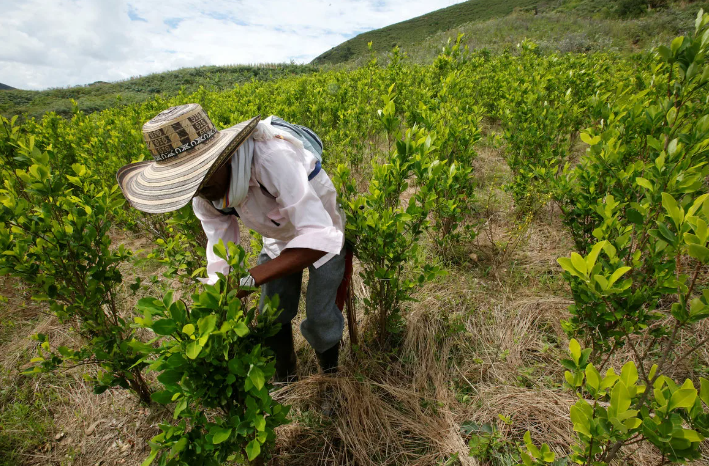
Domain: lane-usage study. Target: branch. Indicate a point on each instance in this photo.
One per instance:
(692, 350)
(640, 363)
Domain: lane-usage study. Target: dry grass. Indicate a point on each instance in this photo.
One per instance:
(90, 429)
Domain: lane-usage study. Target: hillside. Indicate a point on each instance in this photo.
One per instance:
(101, 95)
(498, 25)
(5, 87)
(416, 29)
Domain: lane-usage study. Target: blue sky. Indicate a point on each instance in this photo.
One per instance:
(61, 43)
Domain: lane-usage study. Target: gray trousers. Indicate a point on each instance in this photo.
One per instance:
(324, 322)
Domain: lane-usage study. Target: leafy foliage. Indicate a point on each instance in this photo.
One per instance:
(384, 231)
(213, 365)
(639, 197)
(635, 204)
(638, 208)
(54, 236)
(615, 409)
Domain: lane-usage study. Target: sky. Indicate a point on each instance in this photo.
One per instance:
(59, 43)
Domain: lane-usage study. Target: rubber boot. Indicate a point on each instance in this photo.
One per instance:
(286, 362)
(328, 361)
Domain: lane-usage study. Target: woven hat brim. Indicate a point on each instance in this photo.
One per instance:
(159, 187)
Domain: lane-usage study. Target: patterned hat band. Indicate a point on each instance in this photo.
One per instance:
(178, 150)
(176, 130)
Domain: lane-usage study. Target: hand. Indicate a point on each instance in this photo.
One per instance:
(243, 293)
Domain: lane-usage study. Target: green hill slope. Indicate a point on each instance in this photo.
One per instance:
(416, 29)
(101, 95)
(5, 87)
(557, 25)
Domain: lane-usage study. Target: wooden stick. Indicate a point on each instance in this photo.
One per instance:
(351, 317)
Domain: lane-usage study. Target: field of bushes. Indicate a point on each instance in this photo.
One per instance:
(531, 242)
(101, 95)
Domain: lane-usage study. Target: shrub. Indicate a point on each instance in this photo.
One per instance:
(637, 196)
(631, 8)
(384, 230)
(643, 212)
(54, 237)
(213, 365)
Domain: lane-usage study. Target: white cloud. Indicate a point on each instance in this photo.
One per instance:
(68, 42)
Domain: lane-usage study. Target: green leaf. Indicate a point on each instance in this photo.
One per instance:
(547, 455)
(259, 422)
(593, 255)
(575, 350)
(644, 183)
(253, 449)
(526, 459)
(609, 380)
(666, 233)
(582, 423)
(620, 400)
(704, 390)
(220, 250)
(676, 44)
(676, 213)
(664, 52)
(682, 398)
(167, 299)
(152, 305)
(149, 460)
(635, 217)
(164, 327)
(617, 274)
(697, 204)
(170, 377)
(579, 263)
(588, 139)
(193, 349)
(632, 423)
(653, 371)
(206, 324)
(574, 380)
(257, 378)
(181, 406)
(699, 252)
(219, 434)
(188, 329)
(163, 397)
(567, 265)
(177, 312)
(690, 435)
(178, 447)
(593, 377)
(241, 329)
(533, 450)
(601, 280)
(629, 374)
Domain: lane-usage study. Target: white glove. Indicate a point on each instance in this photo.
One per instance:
(247, 282)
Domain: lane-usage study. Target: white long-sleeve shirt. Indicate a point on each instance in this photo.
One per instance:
(285, 208)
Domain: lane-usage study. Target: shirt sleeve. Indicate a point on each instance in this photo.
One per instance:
(216, 226)
(284, 176)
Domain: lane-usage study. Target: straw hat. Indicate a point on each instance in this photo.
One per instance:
(187, 149)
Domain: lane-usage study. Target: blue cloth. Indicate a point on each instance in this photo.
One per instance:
(316, 170)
